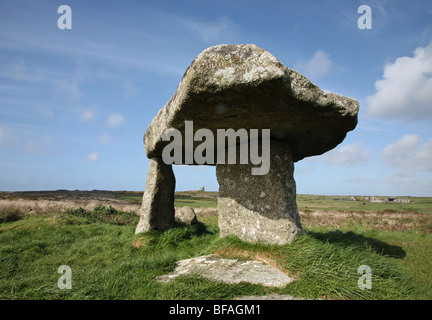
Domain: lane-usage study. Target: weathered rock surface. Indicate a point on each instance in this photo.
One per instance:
(229, 271)
(186, 215)
(259, 207)
(244, 86)
(157, 209)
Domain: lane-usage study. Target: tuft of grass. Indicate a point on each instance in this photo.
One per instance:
(105, 214)
(103, 262)
(10, 212)
(326, 266)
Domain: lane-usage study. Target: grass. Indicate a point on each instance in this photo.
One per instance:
(109, 262)
(342, 203)
(192, 199)
(181, 201)
(104, 264)
(417, 260)
(105, 214)
(326, 266)
(11, 212)
(132, 197)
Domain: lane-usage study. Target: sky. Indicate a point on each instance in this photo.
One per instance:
(75, 103)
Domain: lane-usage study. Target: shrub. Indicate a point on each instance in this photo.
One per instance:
(10, 212)
(106, 214)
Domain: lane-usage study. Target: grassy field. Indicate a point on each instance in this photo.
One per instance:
(109, 262)
(304, 202)
(342, 203)
(187, 198)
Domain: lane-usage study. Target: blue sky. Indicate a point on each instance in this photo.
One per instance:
(74, 104)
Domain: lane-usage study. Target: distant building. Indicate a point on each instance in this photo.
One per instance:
(390, 199)
(399, 200)
(377, 200)
(403, 200)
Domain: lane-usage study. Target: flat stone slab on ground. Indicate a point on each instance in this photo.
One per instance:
(229, 271)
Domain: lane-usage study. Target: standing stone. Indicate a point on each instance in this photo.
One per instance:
(157, 209)
(259, 207)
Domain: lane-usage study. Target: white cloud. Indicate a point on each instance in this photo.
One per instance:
(24, 139)
(45, 111)
(82, 72)
(105, 138)
(409, 153)
(405, 182)
(19, 70)
(405, 91)
(93, 157)
(130, 90)
(67, 89)
(115, 120)
(348, 155)
(212, 31)
(35, 145)
(87, 115)
(358, 179)
(6, 136)
(317, 67)
(64, 85)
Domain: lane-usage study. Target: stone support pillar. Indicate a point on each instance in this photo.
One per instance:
(259, 208)
(157, 209)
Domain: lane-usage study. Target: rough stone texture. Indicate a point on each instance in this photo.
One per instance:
(186, 215)
(229, 271)
(157, 209)
(244, 86)
(259, 207)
